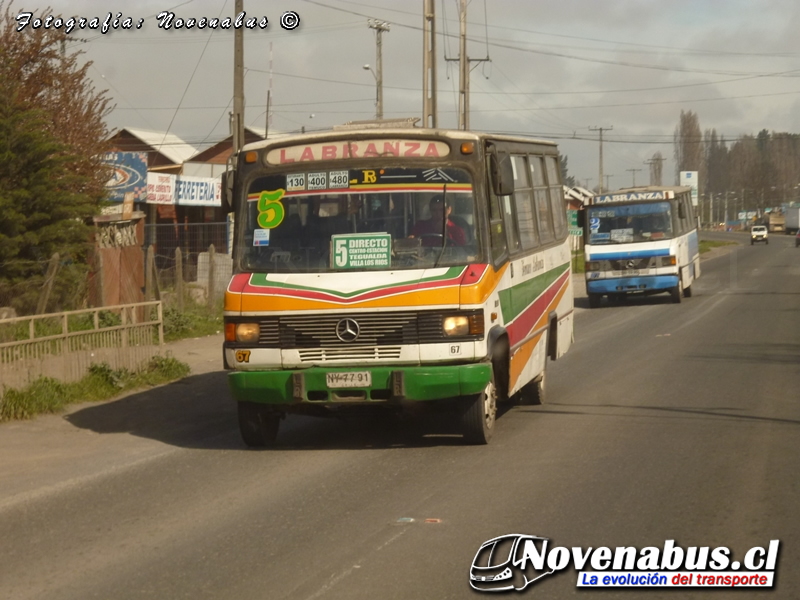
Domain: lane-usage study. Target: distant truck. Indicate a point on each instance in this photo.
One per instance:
(774, 221)
(792, 220)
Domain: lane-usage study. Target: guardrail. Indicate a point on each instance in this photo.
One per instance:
(64, 345)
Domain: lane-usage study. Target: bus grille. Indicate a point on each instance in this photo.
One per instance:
(374, 330)
(350, 353)
(633, 263)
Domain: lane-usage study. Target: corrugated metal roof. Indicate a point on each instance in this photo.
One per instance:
(170, 145)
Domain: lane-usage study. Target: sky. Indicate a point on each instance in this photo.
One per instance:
(556, 70)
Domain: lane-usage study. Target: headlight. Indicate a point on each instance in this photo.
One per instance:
(668, 261)
(460, 325)
(247, 332)
(456, 326)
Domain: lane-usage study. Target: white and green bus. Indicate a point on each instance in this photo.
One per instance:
(391, 267)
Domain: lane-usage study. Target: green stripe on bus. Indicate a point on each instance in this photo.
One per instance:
(517, 298)
(260, 279)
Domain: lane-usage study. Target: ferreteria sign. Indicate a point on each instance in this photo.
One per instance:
(358, 149)
(362, 251)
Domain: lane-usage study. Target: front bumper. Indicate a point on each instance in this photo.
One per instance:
(619, 285)
(308, 386)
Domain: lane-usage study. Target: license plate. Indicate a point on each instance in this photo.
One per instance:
(350, 379)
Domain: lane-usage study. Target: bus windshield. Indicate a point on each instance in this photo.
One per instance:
(629, 223)
(358, 219)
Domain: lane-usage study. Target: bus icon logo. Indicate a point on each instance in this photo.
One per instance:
(501, 564)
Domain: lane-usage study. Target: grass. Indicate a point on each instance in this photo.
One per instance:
(707, 245)
(577, 262)
(194, 321)
(47, 395)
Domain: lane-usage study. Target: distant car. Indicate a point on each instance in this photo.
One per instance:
(797, 239)
(758, 234)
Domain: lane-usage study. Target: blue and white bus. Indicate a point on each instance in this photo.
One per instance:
(641, 241)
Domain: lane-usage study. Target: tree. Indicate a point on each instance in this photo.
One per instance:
(656, 168)
(52, 138)
(688, 140)
(566, 179)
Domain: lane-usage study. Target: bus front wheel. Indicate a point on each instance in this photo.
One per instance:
(257, 424)
(677, 292)
(480, 414)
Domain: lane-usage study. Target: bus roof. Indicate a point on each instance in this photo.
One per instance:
(367, 131)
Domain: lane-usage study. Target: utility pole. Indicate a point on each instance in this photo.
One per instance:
(238, 83)
(601, 129)
(429, 65)
(463, 70)
(634, 175)
(379, 27)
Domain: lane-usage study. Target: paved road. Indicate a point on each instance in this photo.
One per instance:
(663, 422)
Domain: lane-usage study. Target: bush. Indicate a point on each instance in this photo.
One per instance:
(47, 395)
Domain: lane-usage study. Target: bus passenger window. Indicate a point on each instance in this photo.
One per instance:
(543, 215)
(559, 208)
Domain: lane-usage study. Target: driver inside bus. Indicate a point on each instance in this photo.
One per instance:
(432, 228)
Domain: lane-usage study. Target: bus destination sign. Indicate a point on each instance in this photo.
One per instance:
(373, 148)
(630, 197)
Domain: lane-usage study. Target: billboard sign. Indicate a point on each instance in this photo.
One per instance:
(197, 191)
(160, 188)
(128, 175)
(690, 179)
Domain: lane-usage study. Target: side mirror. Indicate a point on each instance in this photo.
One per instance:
(502, 174)
(226, 191)
(581, 219)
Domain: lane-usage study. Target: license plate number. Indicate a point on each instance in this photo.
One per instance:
(349, 380)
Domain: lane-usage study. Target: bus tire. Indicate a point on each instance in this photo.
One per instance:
(687, 292)
(533, 393)
(676, 292)
(480, 414)
(594, 300)
(257, 424)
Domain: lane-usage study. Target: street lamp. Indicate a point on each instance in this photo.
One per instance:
(378, 93)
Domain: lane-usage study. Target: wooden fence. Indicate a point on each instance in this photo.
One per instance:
(64, 345)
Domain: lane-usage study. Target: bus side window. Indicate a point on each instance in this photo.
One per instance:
(497, 234)
(557, 197)
(684, 215)
(523, 203)
(543, 211)
(512, 239)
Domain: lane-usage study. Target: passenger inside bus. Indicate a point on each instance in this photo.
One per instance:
(430, 230)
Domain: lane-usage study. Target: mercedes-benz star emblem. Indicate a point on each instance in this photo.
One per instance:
(631, 264)
(347, 330)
